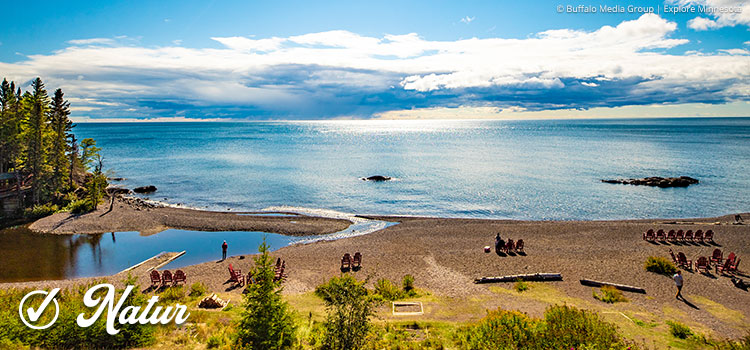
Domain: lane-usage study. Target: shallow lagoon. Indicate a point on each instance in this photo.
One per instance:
(28, 256)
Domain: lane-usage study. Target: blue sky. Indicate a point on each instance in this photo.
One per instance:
(123, 60)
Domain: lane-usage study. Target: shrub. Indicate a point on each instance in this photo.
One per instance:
(679, 330)
(520, 286)
(349, 308)
(610, 295)
(660, 265)
(387, 290)
(407, 284)
(40, 211)
(213, 342)
(79, 206)
(174, 293)
(563, 327)
(198, 289)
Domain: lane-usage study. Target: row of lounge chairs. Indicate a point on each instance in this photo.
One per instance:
(679, 236)
(236, 276)
(166, 278)
(349, 262)
(730, 265)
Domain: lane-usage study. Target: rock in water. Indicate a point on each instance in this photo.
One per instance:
(377, 178)
(145, 189)
(655, 181)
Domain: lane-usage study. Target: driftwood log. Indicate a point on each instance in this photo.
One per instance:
(526, 277)
(624, 287)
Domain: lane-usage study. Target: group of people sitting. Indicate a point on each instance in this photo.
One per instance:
(509, 246)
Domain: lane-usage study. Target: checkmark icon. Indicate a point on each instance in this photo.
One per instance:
(34, 315)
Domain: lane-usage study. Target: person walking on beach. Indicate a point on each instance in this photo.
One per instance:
(224, 250)
(678, 282)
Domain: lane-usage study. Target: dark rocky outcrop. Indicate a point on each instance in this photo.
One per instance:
(377, 178)
(145, 189)
(113, 190)
(655, 181)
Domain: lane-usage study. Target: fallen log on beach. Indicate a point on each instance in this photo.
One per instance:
(534, 277)
(592, 283)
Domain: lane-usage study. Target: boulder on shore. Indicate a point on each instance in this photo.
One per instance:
(377, 178)
(114, 190)
(145, 189)
(656, 181)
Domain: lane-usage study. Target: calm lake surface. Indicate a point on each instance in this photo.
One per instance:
(484, 169)
(27, 256)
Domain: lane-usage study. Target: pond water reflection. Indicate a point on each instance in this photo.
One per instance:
(28, 256)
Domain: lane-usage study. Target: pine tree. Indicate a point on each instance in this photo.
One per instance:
(36, 136)
(61, 128)
(73, 158)
(9, 128)
(266, 322)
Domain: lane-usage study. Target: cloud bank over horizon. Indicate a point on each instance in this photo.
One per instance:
(340, 74)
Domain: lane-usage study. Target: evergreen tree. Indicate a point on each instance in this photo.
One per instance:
(266, 322)
(73, 159)
(9, 128)
(97, 183)
(36, 136)
(61, 128)
(88, 151)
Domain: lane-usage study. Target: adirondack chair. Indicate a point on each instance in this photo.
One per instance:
(702, 264)
(698, 236)
(717, 256)
(672, 236)
(683, 261)
(649, 235)
(235, 275)
(250, 279)
(179, 276)
(519, 246)
(510, 246)
(680, 235)
(733, 268)
(689, 235)
(155, 278)
(731, 257)
(660, 235)
(346, 262)
(726, 267)
(674, 259)
(166, 278)
(709, 236)
(280, 274)
(357, 261)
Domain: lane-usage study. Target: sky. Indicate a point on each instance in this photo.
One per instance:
(259, 60)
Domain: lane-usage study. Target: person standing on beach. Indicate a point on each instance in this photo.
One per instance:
(678, 282)
(224, 250)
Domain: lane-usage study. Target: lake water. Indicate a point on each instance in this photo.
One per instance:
(484, 169)
(535, 170)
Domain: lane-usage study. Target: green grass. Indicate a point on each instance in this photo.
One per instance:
(679, 330)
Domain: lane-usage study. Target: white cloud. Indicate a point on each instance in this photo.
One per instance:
(92, 41)
(725, 13)
(702, 23)
(336, 73)
(467, 19)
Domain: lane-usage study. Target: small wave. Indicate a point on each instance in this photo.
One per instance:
(360, 226)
